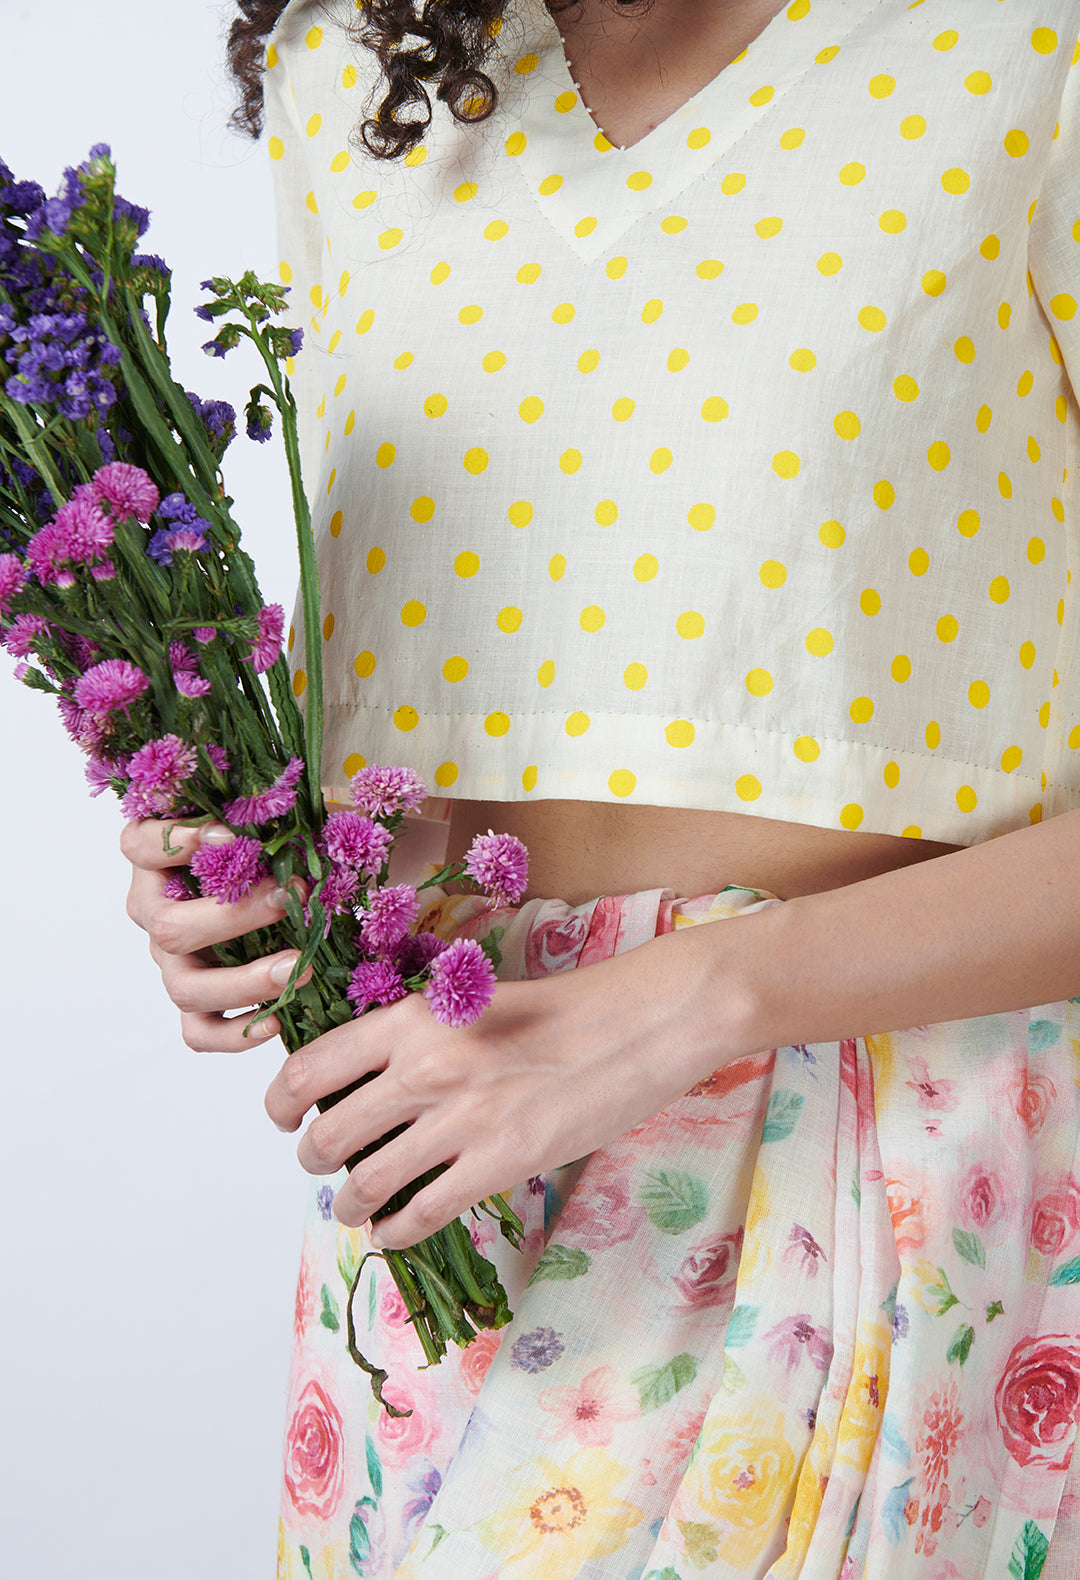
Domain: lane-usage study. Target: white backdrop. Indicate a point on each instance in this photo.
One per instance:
(151, 1213)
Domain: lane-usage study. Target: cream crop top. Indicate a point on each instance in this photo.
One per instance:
(734, 470)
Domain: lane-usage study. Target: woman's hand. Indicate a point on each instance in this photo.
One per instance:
(553, 1069)
(182, 931)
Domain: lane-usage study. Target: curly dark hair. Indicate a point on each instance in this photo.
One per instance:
(453, 38)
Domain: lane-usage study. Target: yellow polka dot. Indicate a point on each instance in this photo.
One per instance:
(563, 313)
(497, 723)
(769, 227)
(678, 359)
(475, 461)
(313, 37)
(285, 271)
(1061, 408)
(964, 350)
(557, 567)
(467, 564)
(999, 589)
(933, 735)
(872, 319)
(732, 184)
(586, 226)
(606, 513)
(690, 624)
(1036, 550)
(336, 523)
(406, 718)
(918, 562)
(422, 509)
(884, 494)
(806, 749)
(1027, 654)
(803, 360)
(1044, 715)
(1058, 509)
(623, 409)
(947, 40)
(983, 418)
(375, 561)
(549, 185)
(715, 409)
(700, 137)
(709, 269)
(299, 683)
(955, 181)
(680, 732)
(493, 361)
(852, 174)
(577, 724)
(846, 425)
(933, 282)
(785, 463)
(635, 676)
(881, 86)
(515, 144)
(652, 310)
(891, 775)
(271, 57)
(1016, 143)
(528, 274)
(311, 204)
(861, 710)
(365, 321)
(900, 668)
(939, 455)
(314, 125)
(496, 230)
(592, 618)
(413, 613)
(509, 619)
(364, 664)
(588, 362)
(794, 137)
(639, 181)
(892, 222)
(772, 574)
(966, 799)
(660, 460)
(978, 694)
(1005, 488)
(1044, 40)
(531, 408)
(745, 313)
(1074, 738)
(340, 162)
(978, 82)
(762, 96)
(565, 101)
(759, 682)
(341, 383)
(328, 628)
(1033, 450)
(870, 601)
(391, 237)
(947, 628)
(824, 56)
(829, 263)
(446, 775)
(645, 567)
(526, 64)
(364, 199)
(276, 148)
(570, 461)
(471, 314)
(673, 224)
(831, 534)
(1063, 306)
(455, 669)
(905, 388)
(701, 517)
(615, 268)
(546, 673)
(913, 127)
(1011, 758)
(851, 815)
(622, 782)
(747, 787)
(333, 477)
(819, 642)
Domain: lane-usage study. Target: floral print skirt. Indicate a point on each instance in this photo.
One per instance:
(820, 1318)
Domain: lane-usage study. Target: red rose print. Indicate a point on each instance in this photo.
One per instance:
(982, 1199)
(1033, 1101)
(707, 1277)
(1037, 1400)
(314, 1454)
(1056, 1219)
(555, 945)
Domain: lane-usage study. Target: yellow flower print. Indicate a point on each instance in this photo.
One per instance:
(756, 1255)
(559, 1516)
(284, 1563)
(880, 1049)
(743, 1476)
(866, 1395)
(809, 1495)
(332, 1563)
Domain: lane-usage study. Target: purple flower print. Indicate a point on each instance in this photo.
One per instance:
(804, 1246)
(536, 1351)
(324, 1201)
(796, 1336)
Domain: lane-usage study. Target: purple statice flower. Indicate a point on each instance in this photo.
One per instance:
(130, 220)
(260, 423)
(152, 264)
(174, 888)
(216, 416)
(390, 914)
(336, 896)
(499, 863)
(274, 801)
(204, 634)
(12, 579)
(77, 537)
(57, 357)
(110, 686)
(89, 731)
(267, 644)
(461, 984)
(382, 791)
(374, 982)
(21, 197)
(127, 490)
(167, 540)
(175, 507)
(218, 756)
(20, 636)
(417, 952)
(352, 840)
(157, 772)
(536, 1351)
(185, 671)
(226, 873)
(296, 341)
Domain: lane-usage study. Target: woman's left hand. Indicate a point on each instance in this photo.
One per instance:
(553, 1069)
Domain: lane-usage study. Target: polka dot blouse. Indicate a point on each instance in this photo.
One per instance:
(732, 470)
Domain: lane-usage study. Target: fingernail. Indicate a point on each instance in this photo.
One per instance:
(278, 899)
(266, 1028)
(216, 834)
(282, 969)
(376, 1239)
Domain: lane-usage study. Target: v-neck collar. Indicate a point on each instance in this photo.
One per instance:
(590, 190)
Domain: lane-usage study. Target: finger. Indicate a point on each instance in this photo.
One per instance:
(372, 1183)
(456, 1190)
(158, 843)
(218, 1034)
(183, 927)
(333, 1061)
(197, 986)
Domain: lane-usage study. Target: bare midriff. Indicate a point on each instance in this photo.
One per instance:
(581, 849)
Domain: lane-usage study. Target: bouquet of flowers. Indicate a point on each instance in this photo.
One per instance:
(125, 595)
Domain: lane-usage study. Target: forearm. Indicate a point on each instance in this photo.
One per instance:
(990, 928)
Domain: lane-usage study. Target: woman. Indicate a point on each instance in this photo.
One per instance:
(688, 436)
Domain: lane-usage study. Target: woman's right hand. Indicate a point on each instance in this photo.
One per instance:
(181, 933)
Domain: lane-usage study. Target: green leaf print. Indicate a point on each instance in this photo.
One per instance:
(346, 1260)
(560, 1261)
(673, 1200)
(1029, 1553)
(328, 1316)
(662, 1574)
(359, 1543)
(734, 1377)
(1067, 1273)
(440, 1532)
(374, 1467)
(656, 1385)
(969, 1247)
(942, 1293)
(741, 1327)
(305, 1559)
(994, 1309)
(700, 1542)
(960, 1348)
(1043, 1034)
(781, 1115)
(490, 946)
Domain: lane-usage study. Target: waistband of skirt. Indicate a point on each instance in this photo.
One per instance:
(543, 936)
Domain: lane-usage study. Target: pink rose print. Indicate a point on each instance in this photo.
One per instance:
(592, 1410)
(314, 1453)
(666, 1467)
(707, 1276)
(982, 1198)
(555, 945)
(304, 1304)
(603, 930)
(477, 1357)
(600, 1212)
(906, 1212)
(1038, 1398)
(1056, 1219)
(1034, 1099)
(402, 1436)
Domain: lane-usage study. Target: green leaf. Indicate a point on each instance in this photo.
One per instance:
(560, 1261)
(440, 1532)
(942, 1292)
(674, 1201)
(741, 1327)
(734, 1377)
(359, 1543)
(969, 1247)
(1067, 1273)
(305, 1559)
(1029, 1553)
(662, 1574)
(374, 1467)
(372, 1297)
(346, 1260)
(996, 1309)
(329, 1316)
(781, 1115)
(490, 947)
(656, 1385)
(700, 1542)
(960, 1348)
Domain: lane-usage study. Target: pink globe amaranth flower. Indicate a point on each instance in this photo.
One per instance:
(174, 888)
(274, 801)
(20, 636)
(499, 863)
(190, 684)
(352, 840)
(315, 1453)
(461, 984)
(267, 645)
(90, 731)
(390, 914)
(417, 952)
(158, 770)
(382, 791)
(204, 633)
(113, 685)
(127, 490)
(218, 756)
(336, 896)
(79, 535)
(226, 873)
(101, 771)
(374, 982)
(12, 579)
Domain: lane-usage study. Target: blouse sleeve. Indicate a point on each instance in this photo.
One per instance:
(1054, 253)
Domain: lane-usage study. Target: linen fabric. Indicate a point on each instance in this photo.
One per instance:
(730, 470)
(818, 1319)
